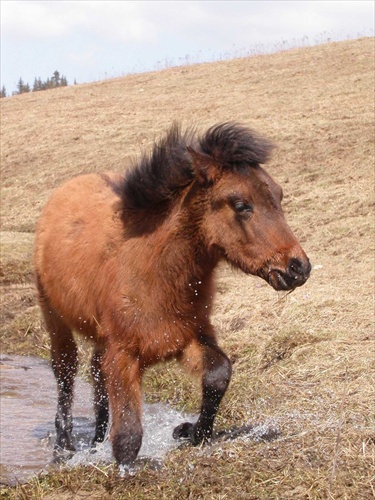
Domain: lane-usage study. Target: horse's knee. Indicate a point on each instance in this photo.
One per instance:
(217, 372)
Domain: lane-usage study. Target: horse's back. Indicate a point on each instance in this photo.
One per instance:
(78, 230)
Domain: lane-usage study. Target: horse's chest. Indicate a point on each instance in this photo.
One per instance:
(157, 337)
(163, 338)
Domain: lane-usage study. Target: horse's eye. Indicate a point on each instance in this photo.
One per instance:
(242, 207)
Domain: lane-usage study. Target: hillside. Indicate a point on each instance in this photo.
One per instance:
(306, 360)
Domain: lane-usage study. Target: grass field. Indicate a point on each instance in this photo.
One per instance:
(303, 363)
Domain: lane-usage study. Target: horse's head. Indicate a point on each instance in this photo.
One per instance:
(244, 222)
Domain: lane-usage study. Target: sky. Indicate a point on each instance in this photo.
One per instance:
(96, 40)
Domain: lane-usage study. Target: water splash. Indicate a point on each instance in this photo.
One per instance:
(28, 405)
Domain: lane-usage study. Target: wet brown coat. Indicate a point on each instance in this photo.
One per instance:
(135, 274)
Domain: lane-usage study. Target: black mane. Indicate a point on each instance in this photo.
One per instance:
(235, 147)
(160, 175)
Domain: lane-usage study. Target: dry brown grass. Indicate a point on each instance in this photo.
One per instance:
(303, 363)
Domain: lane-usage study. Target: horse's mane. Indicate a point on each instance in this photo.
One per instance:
(235, 147)
(159, 176)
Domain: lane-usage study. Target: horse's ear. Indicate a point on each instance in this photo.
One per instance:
(204, 166)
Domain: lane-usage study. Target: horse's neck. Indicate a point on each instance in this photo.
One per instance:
(184, 252)
(176, 267)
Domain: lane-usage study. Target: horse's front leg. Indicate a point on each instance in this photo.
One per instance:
(206, 356)
(123, 377)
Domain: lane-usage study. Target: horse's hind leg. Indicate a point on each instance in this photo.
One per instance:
(205, 357)
(64, 364)
(101, 404)
(64, 359)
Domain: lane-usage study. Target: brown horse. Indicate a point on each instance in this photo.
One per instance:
(129, 261)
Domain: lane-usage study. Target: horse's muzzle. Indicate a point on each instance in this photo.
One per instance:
(296, 274)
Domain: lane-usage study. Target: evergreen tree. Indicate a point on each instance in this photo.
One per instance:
(3, 92)
(36, 85)
(22, 87)
(63, 81)
(55, 80)
(42, 85)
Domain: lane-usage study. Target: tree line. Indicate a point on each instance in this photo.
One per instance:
(55, 81)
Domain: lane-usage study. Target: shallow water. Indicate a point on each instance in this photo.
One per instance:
(27, 431)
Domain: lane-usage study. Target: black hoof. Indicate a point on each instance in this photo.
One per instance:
(184, 431)
(64, 443)
(61, 455)
(96, 441)
(196, 435)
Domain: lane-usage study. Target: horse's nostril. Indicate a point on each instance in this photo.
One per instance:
(297, 269)
(295, 266)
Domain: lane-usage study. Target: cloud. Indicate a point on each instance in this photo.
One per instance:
(202, 22)
(256, 22)
(34, 20)
(117, 20)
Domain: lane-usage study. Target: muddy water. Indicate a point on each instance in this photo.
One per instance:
(27, 412)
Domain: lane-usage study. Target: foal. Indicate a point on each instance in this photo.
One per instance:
(128, 262)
